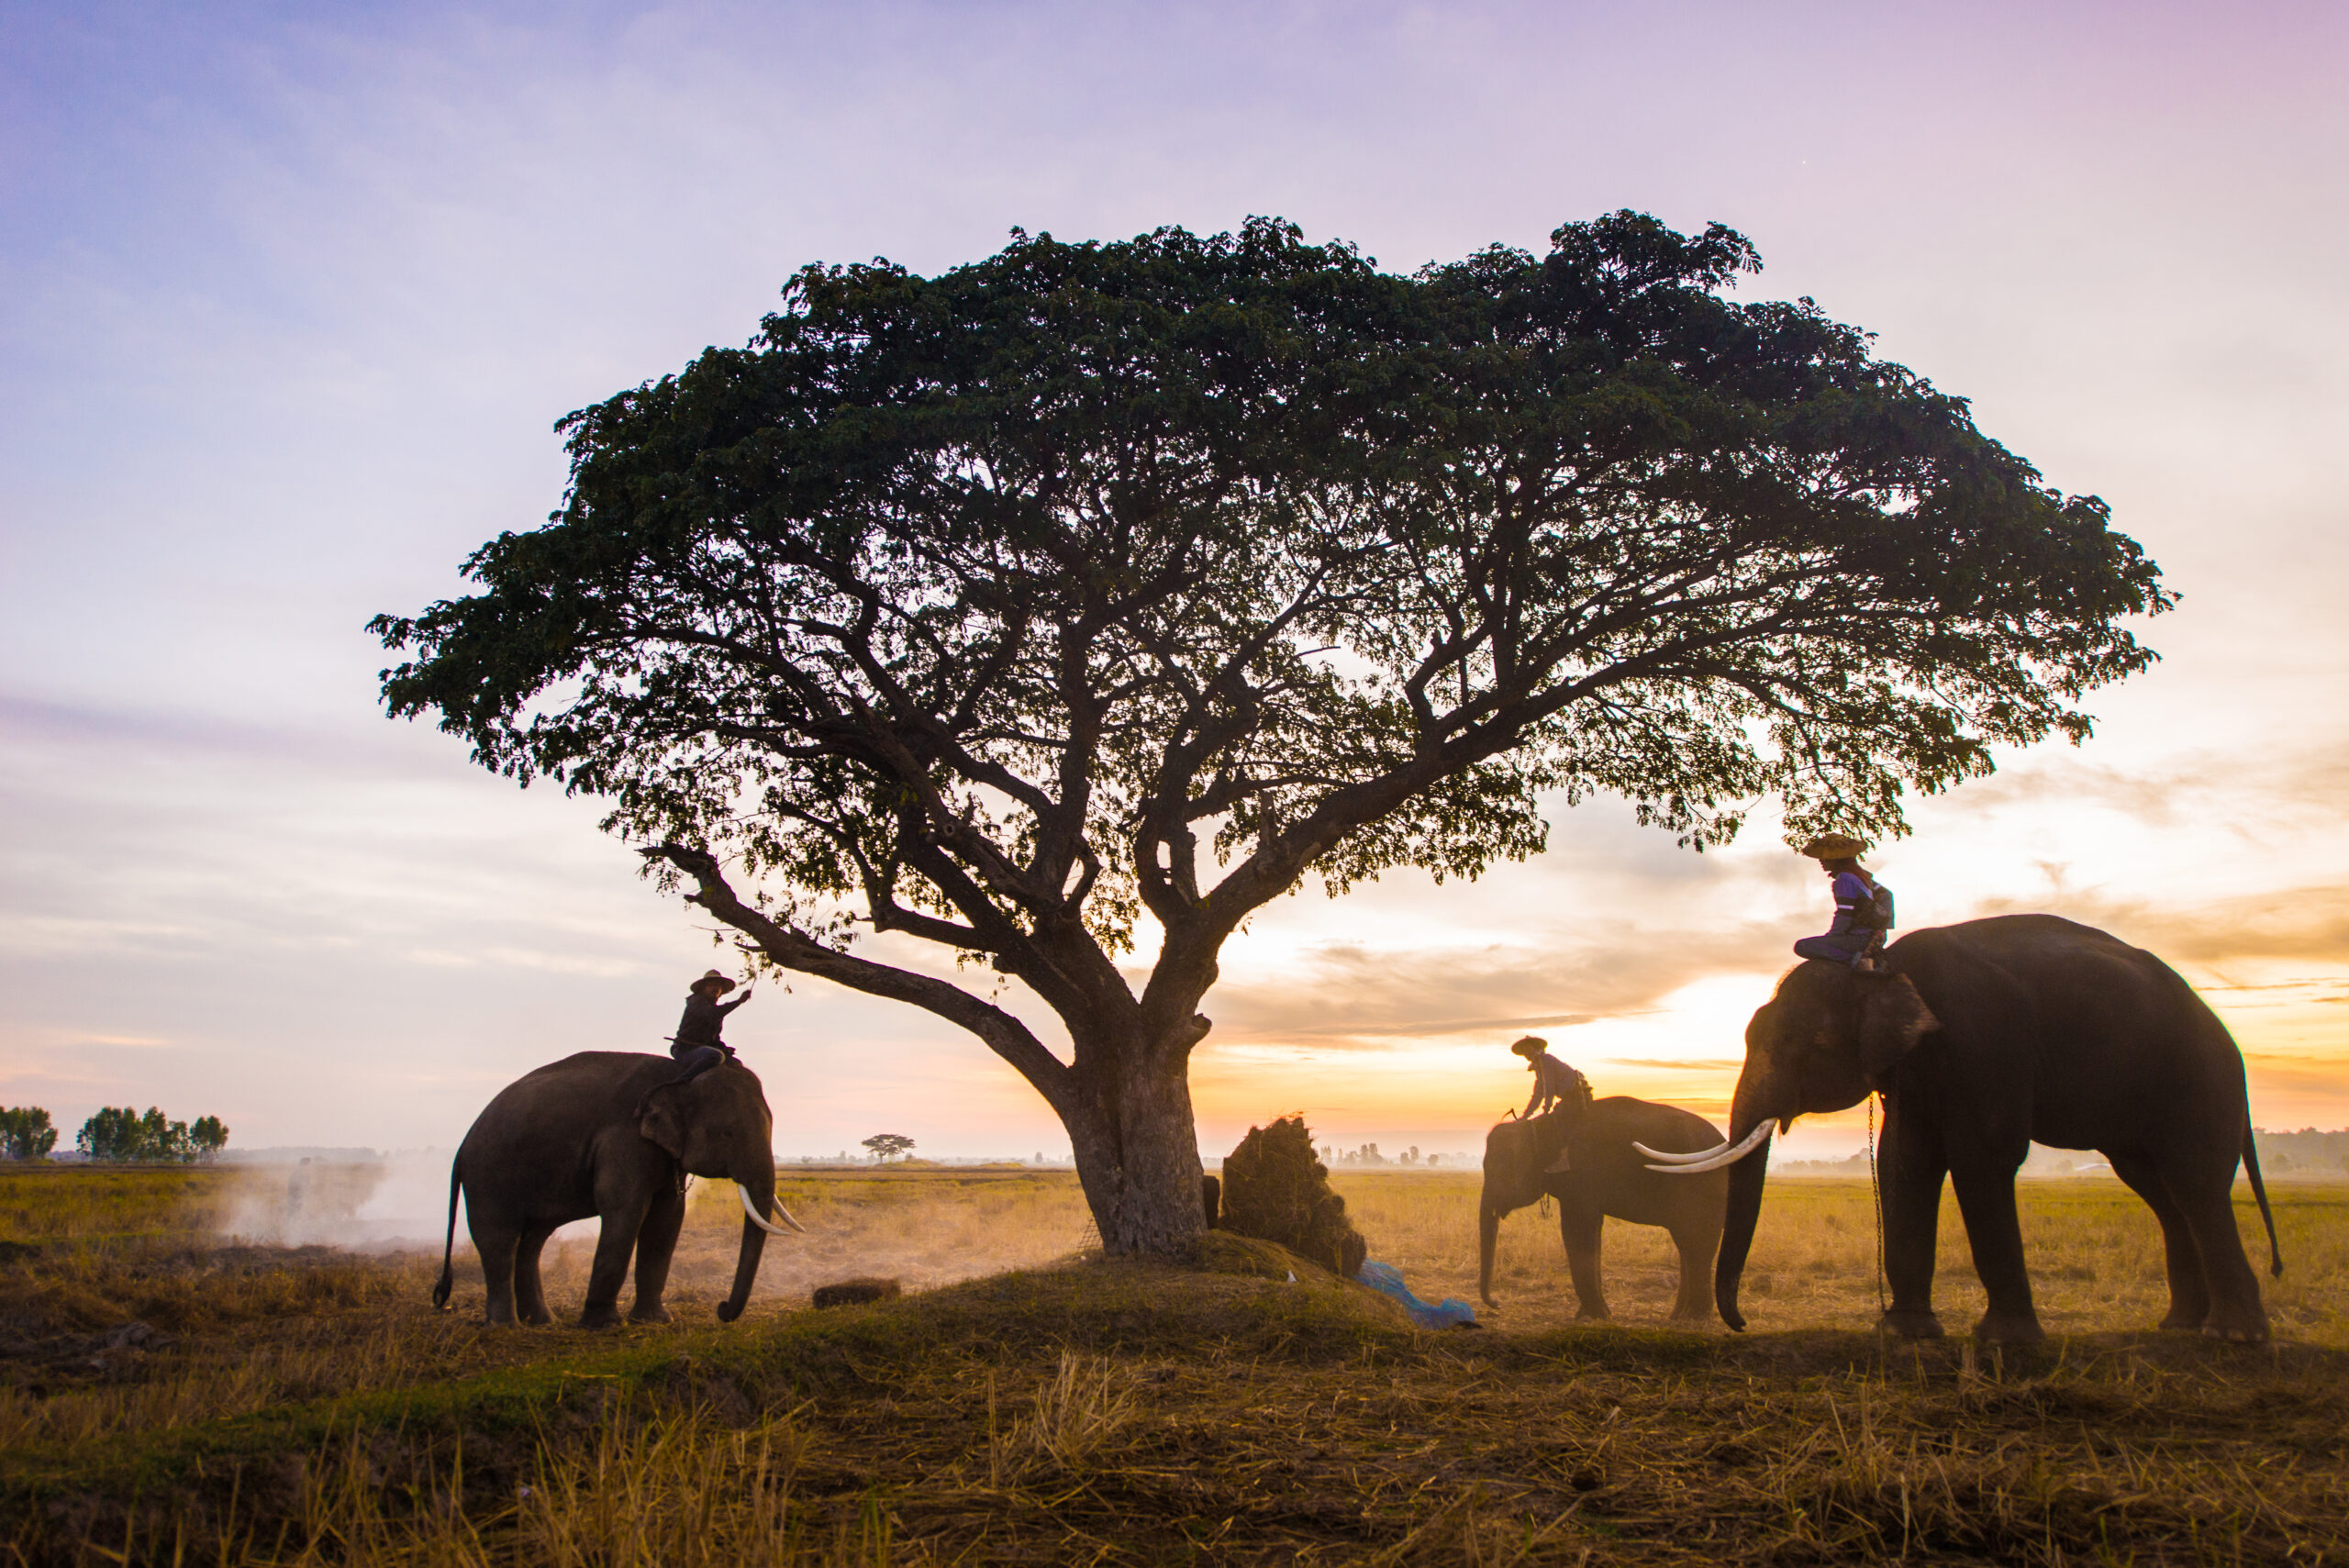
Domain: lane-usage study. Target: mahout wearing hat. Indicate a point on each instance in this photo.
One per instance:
(1528, 1045)
(721, 981)
(1835, 847)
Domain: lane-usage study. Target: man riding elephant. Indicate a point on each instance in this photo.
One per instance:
(697, 1043)
(1556, 1086)
(1862, 906)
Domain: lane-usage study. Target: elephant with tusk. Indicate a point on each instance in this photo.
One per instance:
(1985, 1037)
(609, 1135)
(1606, 1177)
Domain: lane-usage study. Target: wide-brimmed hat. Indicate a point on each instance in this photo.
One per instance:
(712, 978)
(1835, 847)
(1530, 1044)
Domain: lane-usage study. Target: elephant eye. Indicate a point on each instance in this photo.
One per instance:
(1821, 1038)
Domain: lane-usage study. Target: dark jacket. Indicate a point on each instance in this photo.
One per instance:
(704, 1021)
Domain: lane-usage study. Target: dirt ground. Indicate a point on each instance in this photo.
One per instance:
(170, 1394)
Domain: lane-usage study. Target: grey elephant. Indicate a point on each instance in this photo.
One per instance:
(1607, 1178)
(608, 1134)
(1983, 1038)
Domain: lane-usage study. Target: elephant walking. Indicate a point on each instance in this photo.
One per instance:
(1983, 1038)
(608, 1134)
(1608, 1178)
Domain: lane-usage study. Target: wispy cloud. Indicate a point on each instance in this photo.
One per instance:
(2284, 922)
(1351, 995)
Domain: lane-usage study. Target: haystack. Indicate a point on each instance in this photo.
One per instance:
(1275, 1190)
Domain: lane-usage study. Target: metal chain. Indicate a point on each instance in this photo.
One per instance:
(1875, 1191)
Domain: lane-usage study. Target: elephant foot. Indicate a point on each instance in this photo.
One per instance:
(599, 1318)
(2251, 1330)
(1995, 1329)
(1910, 1323)
(655, 1313)
(2182, 1323)
(540, 1319)
(1592, 1315)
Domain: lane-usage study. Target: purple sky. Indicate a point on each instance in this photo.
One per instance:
(290, 297)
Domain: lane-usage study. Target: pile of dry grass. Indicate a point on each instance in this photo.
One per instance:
(855, 1291)
(1275, 1189)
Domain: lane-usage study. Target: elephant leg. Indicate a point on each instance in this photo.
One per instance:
(1986, 1196)
(1909, 1172)
(2190, 1294)
(530, 1294)
(1697, 1243)
(656, 1243)
(1581, 1230)
(2235, 1311)
(609, 1270)
(496, 1244)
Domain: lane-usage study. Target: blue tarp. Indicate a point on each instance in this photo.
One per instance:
(1388, 1280)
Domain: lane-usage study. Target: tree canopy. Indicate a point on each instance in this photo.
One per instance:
(1095, 582)
(123, 1134)
(25, 1133)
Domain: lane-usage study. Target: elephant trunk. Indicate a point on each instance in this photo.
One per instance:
(1744, 1209)
(1489, 1231)
(757, 1188)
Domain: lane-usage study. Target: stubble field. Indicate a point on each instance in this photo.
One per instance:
(171, 1396)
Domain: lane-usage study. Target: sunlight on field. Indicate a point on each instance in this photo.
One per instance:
(2094, 1252)
(131, 1326)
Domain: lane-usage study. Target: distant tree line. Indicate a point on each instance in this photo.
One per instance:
(25, 1134)
(1368, 1154)
(2308, 1152)
(122, 1136)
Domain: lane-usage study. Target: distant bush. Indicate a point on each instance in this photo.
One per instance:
(25, 1134)
(125, 1136)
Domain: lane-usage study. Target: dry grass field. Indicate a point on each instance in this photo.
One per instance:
(168, 1395)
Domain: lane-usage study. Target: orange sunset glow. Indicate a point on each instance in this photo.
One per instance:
(293, 308)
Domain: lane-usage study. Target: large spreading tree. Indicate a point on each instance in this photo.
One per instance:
(1104, 592)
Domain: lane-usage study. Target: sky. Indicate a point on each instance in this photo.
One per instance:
(291, 297)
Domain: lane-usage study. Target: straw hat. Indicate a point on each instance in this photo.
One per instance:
(713, 979)
(1530, 1045)
(1835, 847)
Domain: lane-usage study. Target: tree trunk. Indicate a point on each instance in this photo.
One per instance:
(1137, 1148)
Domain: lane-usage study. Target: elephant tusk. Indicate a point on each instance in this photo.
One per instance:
(1714, 1158)
(1673, 1157)
(758, 1220)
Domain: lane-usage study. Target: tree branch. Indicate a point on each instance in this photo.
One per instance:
(793, 949)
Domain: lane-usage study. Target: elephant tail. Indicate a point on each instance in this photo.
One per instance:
(2259, 1191)
(449, 1244)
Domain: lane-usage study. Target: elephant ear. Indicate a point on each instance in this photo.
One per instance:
(1542, 1153)
(1893, 1019)
(1530, 1156)
(661, 1124)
